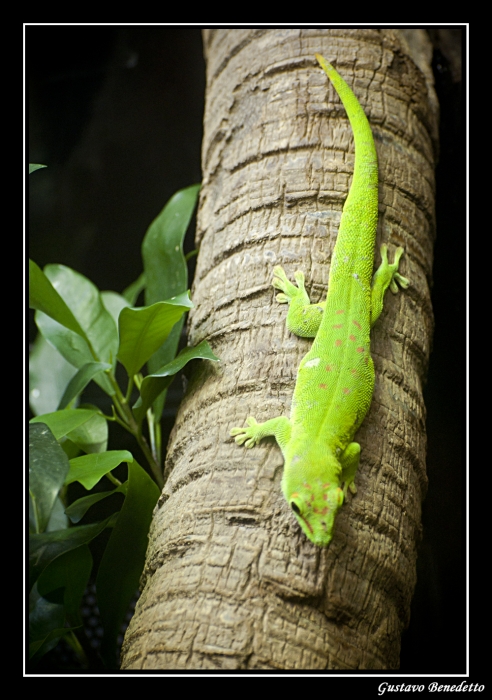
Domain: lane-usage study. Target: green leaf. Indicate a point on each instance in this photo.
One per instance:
(40, 647)
(144, 330)
(58, 520)
(44, 297)
(46, 620)
(35, 166)
(63, 422)
(64, 580)
(89, 469)
(70, 448)
(71, 346)
(79, 508)
(92, 436)
(114, 303)
(46, 625)
(132, 292)
(124, 556)
(46, 547)
(165, 268)
(48, 467)
(78, 382)
(157, 382)
(84, 300)
(99, 329)
(49, 374)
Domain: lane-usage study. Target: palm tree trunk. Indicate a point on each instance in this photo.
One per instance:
(230, 580)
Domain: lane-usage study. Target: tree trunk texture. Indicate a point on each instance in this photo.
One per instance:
(230, 581)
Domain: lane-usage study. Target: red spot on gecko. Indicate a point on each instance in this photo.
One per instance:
(346, 390)
(338, 343)
(360, 349)
(340, 311)
(323, 386)
(356, 323)
(294, 495)
(329, 368)
(352, 337)
(326, 486)
(353, 371)
(306, 485)
(338, 325)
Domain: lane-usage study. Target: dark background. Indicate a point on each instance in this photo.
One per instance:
(116, 114)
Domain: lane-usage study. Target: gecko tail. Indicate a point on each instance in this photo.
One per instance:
(323, 63)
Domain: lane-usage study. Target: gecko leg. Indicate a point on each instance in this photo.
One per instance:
(386, 275)
(303, 318)
(279, 427)
(350, 464)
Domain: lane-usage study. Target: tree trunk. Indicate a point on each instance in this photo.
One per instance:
(231, 582)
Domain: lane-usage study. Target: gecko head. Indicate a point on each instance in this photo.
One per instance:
(315, 506)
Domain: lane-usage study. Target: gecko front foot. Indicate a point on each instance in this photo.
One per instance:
(250, 436)
(279, 427)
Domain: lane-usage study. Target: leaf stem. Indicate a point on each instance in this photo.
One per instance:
(74, 642)
(129, 390)
(156, 470)
(152, 435)
(191, 254)
(128, 421)
(158, 441)
(113, 479)
(89, 658)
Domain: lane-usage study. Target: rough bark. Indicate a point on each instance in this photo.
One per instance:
(230, 581)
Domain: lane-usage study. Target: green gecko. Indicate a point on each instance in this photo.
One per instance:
(335, 380)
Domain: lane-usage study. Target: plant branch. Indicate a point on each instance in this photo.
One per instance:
(131, 425)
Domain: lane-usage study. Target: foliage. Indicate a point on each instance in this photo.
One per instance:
(84, 334)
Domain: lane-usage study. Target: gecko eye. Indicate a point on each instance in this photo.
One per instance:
(295, 508)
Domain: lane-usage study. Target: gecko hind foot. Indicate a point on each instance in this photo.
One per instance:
(386, 275)
(404, 282)
(392, 268)
(349, 487)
